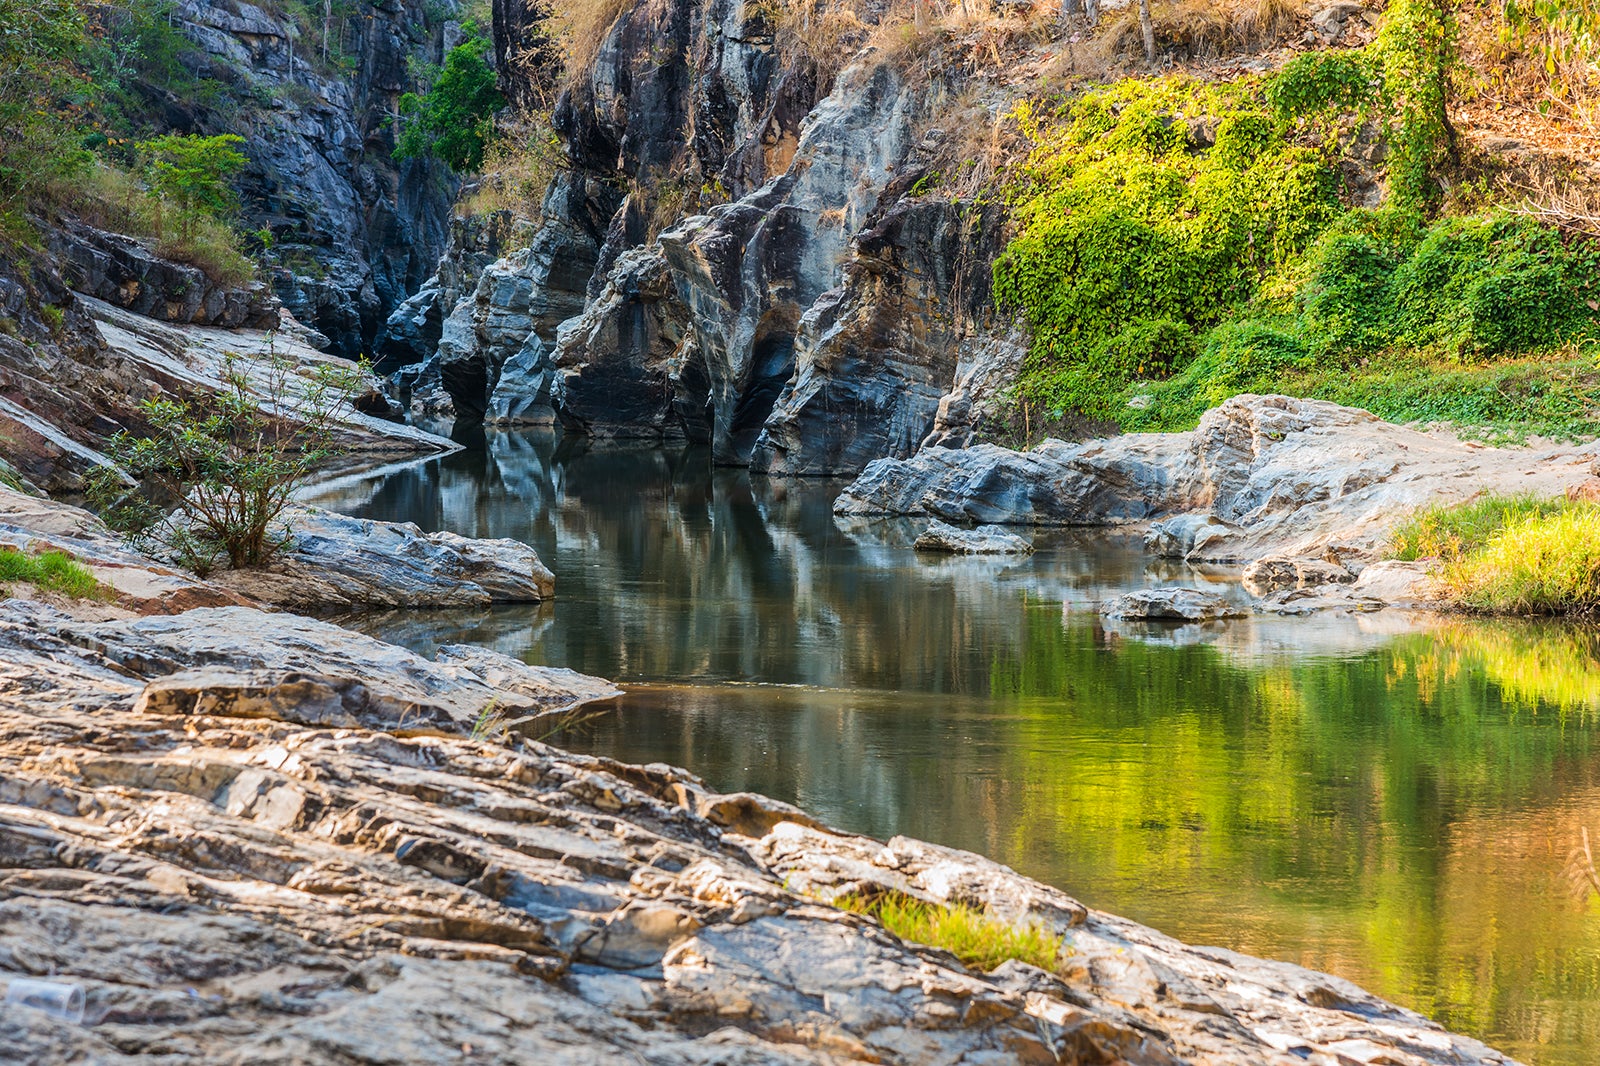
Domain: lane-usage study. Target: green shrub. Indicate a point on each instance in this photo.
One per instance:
(50, 571)
(453, 119)
(1347, 299)
(1321, 82)
(970, 935)
(1126, 219)
(215, 473)
(1487, 285)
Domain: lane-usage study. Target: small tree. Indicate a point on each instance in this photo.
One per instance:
(214, 475)
(192, 172)
(454, 118)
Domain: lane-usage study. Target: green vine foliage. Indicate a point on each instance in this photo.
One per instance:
(1151, 207)
(1177, 243)
(1416, 54)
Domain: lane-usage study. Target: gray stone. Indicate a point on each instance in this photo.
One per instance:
(1172, 604)
(984, 540)
(336, 562)
(256, 868)
(1260, 475)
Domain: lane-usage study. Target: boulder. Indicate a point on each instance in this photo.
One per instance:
(1172, 605)
(340, 563)
(984, 540)
(1276, 572)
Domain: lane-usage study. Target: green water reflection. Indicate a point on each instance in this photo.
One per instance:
(1387, 797)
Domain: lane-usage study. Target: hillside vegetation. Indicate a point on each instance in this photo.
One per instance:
(1321, 230)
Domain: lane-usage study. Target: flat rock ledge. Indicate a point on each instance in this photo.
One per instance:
(1260, 475)
(340, 563)
(335, 563)
(267, 869)
(984, 540)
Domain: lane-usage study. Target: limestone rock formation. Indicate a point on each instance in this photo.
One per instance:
(775, 283)
(122, 272)
(355, 231)
(214, 825)
(1260, 475)
(338, 563)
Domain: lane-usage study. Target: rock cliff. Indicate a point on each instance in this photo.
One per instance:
(354, 232)
(742, 250)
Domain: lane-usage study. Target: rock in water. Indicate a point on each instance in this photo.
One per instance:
(985, 540)
(338, 563)
(1172, 605)
(1259, 475)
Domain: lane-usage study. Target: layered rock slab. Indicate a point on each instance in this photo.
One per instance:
(334, 562)
(249, 889)
(1259, 475)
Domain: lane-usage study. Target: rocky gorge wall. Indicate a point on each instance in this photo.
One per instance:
(737, 252)
(354, 231)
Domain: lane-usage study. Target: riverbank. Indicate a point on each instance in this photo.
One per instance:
(1302, 493)
(179, 785)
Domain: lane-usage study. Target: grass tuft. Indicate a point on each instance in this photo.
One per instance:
(51, 572)
(1536, 563)
(1453, 532)
(969, 934)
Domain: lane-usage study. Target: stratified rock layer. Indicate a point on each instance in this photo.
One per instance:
(212, 824)
(1259, 475)
(334, 562)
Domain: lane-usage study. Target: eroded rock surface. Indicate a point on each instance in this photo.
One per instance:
(1259, 475)
(335, 562)
(1172, 605)
(250, 871)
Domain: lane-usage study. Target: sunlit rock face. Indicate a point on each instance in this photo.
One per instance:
(291, 825)
(1259, 476)
(773, 282)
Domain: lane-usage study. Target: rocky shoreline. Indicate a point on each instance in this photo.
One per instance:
(1302, 493)
(256, 837)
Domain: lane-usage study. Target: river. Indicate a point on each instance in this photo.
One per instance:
(1388, 797)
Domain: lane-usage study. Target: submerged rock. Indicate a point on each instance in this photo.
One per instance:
(984, 540)
(1173, 604)
(237, 872)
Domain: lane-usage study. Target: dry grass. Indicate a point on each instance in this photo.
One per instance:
(1197, 29)
(114, 199)
(581, 27)
(518, 166)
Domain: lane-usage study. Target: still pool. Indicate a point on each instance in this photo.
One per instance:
(1389, 797)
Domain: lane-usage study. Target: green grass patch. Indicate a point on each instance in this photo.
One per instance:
(1535, 563)
(51, 571)
(970, 935)
(1454, 532)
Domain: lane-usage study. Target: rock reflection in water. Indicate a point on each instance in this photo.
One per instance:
(1385, 796)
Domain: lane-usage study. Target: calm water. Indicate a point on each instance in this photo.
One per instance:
(1388, 798)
